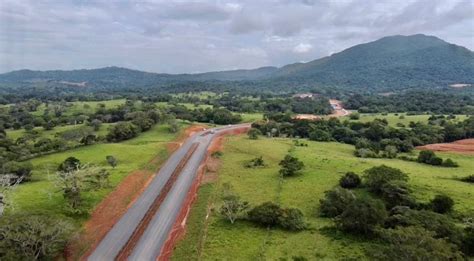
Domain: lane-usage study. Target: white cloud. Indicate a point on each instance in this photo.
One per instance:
(302, 48)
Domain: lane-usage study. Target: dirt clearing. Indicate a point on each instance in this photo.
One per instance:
(461, 146)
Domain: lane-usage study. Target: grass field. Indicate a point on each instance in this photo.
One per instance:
(216, 239)
(84, 107)
(15, 134)
(394, 118)
(42, 196)
(251, 117)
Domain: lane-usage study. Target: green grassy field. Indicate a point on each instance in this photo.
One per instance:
(41, 195)
(251, 117)
(394, 118)
(15, 134)
(216, 239)
(84, 107)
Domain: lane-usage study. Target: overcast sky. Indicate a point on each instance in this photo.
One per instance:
(177, 37)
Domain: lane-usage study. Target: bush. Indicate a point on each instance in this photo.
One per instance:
(449, 163)
(365, 153)
(350, 180)
(442, 204)
(270, 214)
(396, 193)
(122, 131)
(69, 164)
(266, 214)
(376, 177)
(441, 225)
(362, 216)
(254, 163)
(254, 133)
(292, 219)
(354, 116)
(414, 243)
(469, 179)
(429, 157)
(335, 202)
(320, 135)
(290, 166)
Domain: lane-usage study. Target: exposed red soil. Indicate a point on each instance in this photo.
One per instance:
(111, 208)
(179, 228)
(338, 111)
(461, 147)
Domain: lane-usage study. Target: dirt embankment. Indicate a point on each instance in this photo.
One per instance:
(461, 147)
(111, 208)
(210, 164)
(338, 111)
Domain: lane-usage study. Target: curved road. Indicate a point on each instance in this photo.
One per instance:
(153, 238)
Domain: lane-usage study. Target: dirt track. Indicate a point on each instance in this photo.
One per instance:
(461, 147)
(338, 111)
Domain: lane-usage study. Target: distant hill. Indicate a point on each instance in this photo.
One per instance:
(390, 63)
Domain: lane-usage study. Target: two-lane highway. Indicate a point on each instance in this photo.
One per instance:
(150, 243)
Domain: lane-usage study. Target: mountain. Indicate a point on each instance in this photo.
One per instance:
(390, 63)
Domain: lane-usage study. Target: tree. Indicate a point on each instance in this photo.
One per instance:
(122, 131)
(254, 133)
(320, 135)
(32, 237)
(95, 124)
(414, 243)
(254, 163)
(69, 164)
(292, 219)
(396, 193)
(449, 163)
(350, 180)
(442, 204)
(99, 179)
(362, 216)
(290, 166)
(429, 157)
(88, 139)
(266, 214)
(232, 207)
(376, 177)
(335, 202)
(111, 160)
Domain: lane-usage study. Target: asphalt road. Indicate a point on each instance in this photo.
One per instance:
(149, 245)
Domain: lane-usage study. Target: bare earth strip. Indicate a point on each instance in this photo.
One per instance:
(461, 146)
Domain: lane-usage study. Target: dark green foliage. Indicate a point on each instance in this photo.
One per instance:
(442, 204)
(350, 180)
(335, 202)
(469, 179)
(122, 131)
(111, 160)
(255, 163)
(362, 216)
(270, 214)
(429, 157)
(468, 238)
(266, 214)
(441, 225)
(354, 116)
(69, 164)
(32, 237)
(320, 135)
(376, 177)
(449, 163)
(318, 105)
(290, 166)
(254, 133)
(413, 243)
(396, 193)
(18, 170)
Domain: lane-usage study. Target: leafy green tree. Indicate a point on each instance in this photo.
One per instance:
(254, 133)
(32, 237)
(292, 219)
(362, 216)
(396, 193)
(111, 160)
(414, 243)
(376, 177)
(429, 157)
(335, 202)
(290, 166)
(96, 124)
(69, 164)
(442, 204)
(350, 180)
(320, 135)
(266, 214)
(122, 131)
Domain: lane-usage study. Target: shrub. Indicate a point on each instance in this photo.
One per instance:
(254, 163)
(396, 193)
(69, 164)
(320, 135)
(266, 214)
(449, 163)
(469, 179)
(290, 166)
(350, 180)
(442, 204)
(414, 243)
(292, 219)
(270, 214)
(376, 177)
(254, 133)
(362, 216)
(335, 202)
(365, 153)
(441, 225)
(429, 157)
(354, 116)
(122, 131)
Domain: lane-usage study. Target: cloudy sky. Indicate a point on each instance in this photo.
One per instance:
(177, 37)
